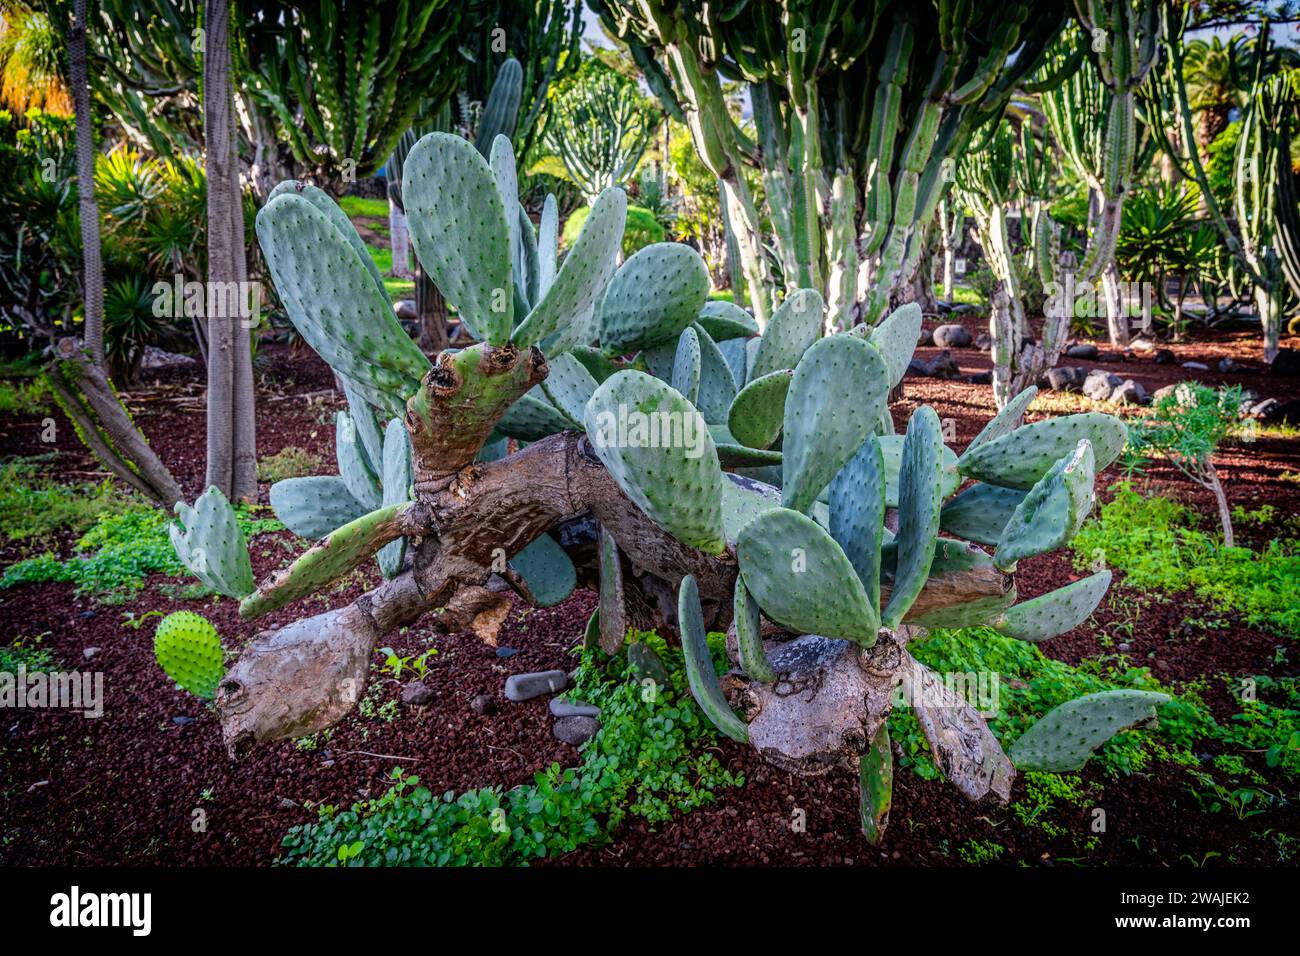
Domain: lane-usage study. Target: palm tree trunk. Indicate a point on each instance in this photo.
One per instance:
(231, 436)
(92, 261)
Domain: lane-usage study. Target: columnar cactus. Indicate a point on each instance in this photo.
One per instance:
(735, 477)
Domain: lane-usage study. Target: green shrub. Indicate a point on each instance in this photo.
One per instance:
(288, 462)
(34, 507)
(25, 398)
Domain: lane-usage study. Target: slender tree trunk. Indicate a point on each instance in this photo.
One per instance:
(1221, 500)
(87, 206)
(231, 437)
(399, 241)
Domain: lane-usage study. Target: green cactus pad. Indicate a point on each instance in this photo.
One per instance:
(459, 230)
(341, 551)
(743, 499)
(876, 786)
(1056, 612)
(920, 495)
(362, 483)
(758, 410)
(891, 448)
(567, 310)
(368, 428)
(836, 394)
(734, 352)
(1021, 458)
(686, 366)
(857, 514)
(532, 417)
(597, 364)
(548, 237)
(501, 160)
(749, 635)
(335, 214)
(793, 328)
(725, 320)
(802, 579)
(984, 611)
(1052, 512)
(1066, 736)
(654, 295)
(1005, 421)
(981, 512)
(629, 420)
(699, 664)
(547, 570)
(313, 507)
(188, 648)
(332, 300)
(398, 475)
(209, 542)
(526, 267)
(896, 338)
(717, 384)
(569, 386)
(613, 623)
(736, 455)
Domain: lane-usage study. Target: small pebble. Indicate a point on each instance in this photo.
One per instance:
(483, 704)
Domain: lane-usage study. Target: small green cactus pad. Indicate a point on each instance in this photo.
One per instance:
(208, 541)
(1052, 512)
(613, 623)
(891, 448)
(920, 495)
(717, 384)
(568, 308)
(654, 295)
(792, 330)
(981, 512)
(1056, 612)
(658, 361)
(501, 160)
(734, 352)
(835, 397)
(802, 579)
(458, 228)
(532, 417)
(328, 560)
(699, 664)
(725, 320)
(598, 365)
(398, 475)
(525, 265)
(591, 634)
(188, 648)
(335, 214)
(1066, 736)
(313, 507)
(857, 514)
(743, 499)
(1005, 421)
(876, 786)
(362, 483)
(548, 240)
(368, 428)
(758, 410)
(569, 386)
(971, 614)
(332, 301)
(749, 635)
(655, 444)
(547, 570)
(686, 366)
(645, 664)
(896, 338)
(1021, 458)
(736, 455)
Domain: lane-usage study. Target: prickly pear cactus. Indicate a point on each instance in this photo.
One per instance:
(187, 647)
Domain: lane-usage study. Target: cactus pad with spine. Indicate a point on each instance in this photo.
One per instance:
(1057, 611)
(209, 542)
(876, 786)
(361, 482)
(188, 648)
(857, 514)
(758, 410)
(1006, 421)
(749, 635)
(725, 320)
(1065, 737)
(981, 512)
(1019, 459)
(569, 386)
(717, 383)
(313, 507)
(920, 495)
(891, 449)
(548, 237)
(655, 294)
(335, 214)
(792, 330)
(459, 230)
(532, 417)
(567, 309)
(700, 674)
(1052, 512)
(836, 395)
(896, 339)
(743, 499)
(802, 579)
(612, 598)
(682, 494)
(399, 472)
(686, 366)
(547, 570)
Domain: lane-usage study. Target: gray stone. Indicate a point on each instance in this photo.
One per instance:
(505, 652)
(405, 309)
(980, 378)
(527, 686)
(1099, 385)
(926, 338)
(1164, 390)
(1196, 366)
(1165, 357)
(181, 721)
(577, 708)
(1142, 345)
(155, 357)
(1066, 378)
(951, 337)
(1084, 350)
(417, 694)
(917, 367)
(984, 342)
(483, 704)
(1130, 393)
(1228, 365)
(90, 652)
(942, 366)
(575, 730)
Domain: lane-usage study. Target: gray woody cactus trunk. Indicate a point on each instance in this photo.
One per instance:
(550, 419)
(858, 117)
(88, 208)
(231, 437)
